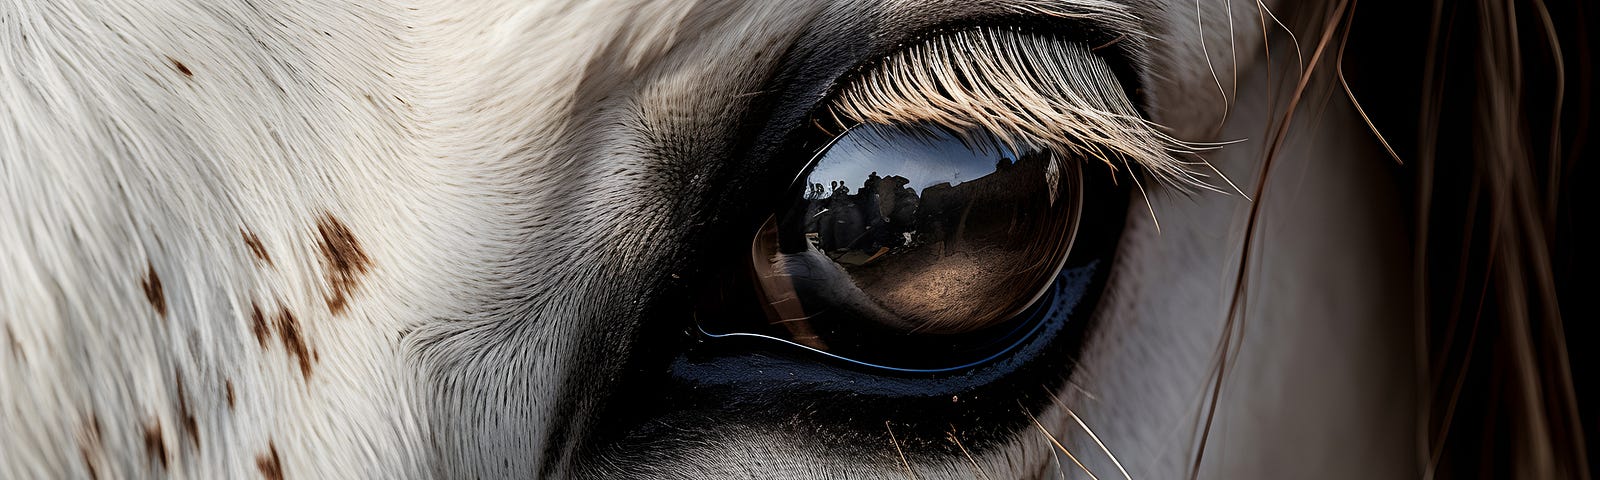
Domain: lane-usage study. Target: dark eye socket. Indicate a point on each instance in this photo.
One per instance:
(913, 247)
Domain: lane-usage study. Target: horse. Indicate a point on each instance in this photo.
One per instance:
(528, 237)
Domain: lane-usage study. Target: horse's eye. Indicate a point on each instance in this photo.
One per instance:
(920, 230)
(914, 246)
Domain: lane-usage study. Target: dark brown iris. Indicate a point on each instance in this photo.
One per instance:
(919, 230)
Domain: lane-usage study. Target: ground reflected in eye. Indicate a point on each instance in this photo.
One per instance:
(907, 247)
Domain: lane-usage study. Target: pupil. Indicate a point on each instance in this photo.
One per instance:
(920, 230)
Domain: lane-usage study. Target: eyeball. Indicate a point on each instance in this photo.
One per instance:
(903, 231)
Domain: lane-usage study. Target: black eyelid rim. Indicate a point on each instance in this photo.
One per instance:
(1033, 325)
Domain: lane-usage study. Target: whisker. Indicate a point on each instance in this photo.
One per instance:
(1266, 48)
(1085, 392)
(1338, 64)
(975, 467)
(1300, 60)
(1058, 445)
(1233, 52)
(1300, 63)
(1086, 429)
(1236, 305)
(1225, 178)
(896, 442)
(1199, 21)
(1147, 204)
(1055, 459)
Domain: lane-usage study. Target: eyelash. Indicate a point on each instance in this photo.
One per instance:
(1031, 90)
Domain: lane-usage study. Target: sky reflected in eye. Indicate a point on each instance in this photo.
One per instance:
(924, 156)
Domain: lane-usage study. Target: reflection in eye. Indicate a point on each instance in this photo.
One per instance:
(941, 231)
(920, 230)
(901, 232)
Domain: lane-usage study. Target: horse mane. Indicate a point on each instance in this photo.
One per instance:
(1501, 125)
(1491, 154)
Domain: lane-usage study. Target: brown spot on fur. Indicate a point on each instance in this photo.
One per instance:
(89, 445)
(181, 67)
(185, 416)
(270, 464)
(344, 258)
(227, 386)
(16, 347)
(289, 331)
(152, 290)
(94, 427)
(257, 250)
(89, 463)
(258, 325)
(154, 444)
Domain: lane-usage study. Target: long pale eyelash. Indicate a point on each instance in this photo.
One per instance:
(1029, 91)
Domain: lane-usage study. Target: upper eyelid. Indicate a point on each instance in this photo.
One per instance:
(869, 31)
(1026, 88)
(838, 46)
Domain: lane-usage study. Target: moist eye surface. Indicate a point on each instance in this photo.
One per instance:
(918, 229)
(912, 248)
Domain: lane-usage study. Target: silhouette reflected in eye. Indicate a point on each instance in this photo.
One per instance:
(913, 247)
